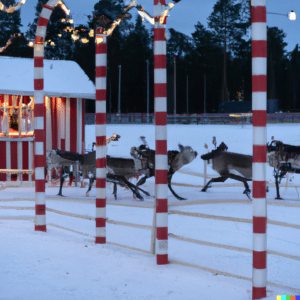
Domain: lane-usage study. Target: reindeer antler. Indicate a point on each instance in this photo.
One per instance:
(144, 141)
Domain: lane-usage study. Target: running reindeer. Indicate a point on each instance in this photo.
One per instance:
(122, 170)
(284, 159)
(228, 165)
(142, 163)
(176, 160)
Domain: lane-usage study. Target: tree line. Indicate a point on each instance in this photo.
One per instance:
(211, 66)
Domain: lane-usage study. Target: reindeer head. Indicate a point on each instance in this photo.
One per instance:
(184, 157)
(222, 147)
(274, 146)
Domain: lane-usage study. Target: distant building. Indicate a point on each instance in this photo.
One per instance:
(235, 107)
(66, 87)
(246, 106)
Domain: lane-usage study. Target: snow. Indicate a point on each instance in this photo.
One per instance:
(61, 78)
(65, 263)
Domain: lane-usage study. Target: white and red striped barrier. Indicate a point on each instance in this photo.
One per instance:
(259, 118)
(100, 130)
(39, 116)
(70, 134)
(161, 154)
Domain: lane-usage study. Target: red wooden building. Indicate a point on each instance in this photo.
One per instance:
(66, 88)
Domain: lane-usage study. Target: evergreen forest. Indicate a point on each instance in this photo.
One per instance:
(211, 66)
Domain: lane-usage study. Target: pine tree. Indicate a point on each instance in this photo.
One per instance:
(19, 47)
(10, 23)
(277, 64)
(30, 33)
(58, 41)
(205, 77)
(135, 52)
(229, 28)
(109, 8)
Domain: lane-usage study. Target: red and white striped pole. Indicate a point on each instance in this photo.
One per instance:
(161, 154)
(39, 117)
(259, 117)
(100, 130)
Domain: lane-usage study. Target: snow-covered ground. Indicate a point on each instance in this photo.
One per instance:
(210, 257)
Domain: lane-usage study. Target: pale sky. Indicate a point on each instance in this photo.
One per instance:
(185, 15)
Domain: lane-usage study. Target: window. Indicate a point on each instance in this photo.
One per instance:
(16, 116)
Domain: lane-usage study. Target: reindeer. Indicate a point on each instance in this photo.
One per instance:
(142, 163)
(228, 165)
(176, 160)
(283, 158)
(119, 170)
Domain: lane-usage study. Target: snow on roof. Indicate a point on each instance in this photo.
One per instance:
(62, 78)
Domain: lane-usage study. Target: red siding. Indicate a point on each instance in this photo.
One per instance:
(73, 125)
(3, 160)
(54, 123)
(14, 158)
(82, 146)
(63, 144)
(25, 153)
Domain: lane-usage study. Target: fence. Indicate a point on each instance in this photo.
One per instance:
(176, 209)
(192, 239)
(199, 119)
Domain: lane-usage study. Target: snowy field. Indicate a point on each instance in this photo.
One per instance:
(210, 252)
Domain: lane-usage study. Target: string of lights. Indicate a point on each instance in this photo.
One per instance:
(80, 34)
(16, 35)
(11, 8)
(162, 18)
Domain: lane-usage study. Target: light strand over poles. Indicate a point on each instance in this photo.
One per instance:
(259, 117)
(11, 8)
(39, 117)
(104, 28)
(100, 130)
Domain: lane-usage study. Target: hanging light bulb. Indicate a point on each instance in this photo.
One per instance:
(91, 33)
(74, 36)
(84, 40)
(292, 15)
(99, 39)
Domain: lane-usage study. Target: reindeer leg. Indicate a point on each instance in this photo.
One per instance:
(62, 179)
(278, 174)
(115, 190)
(218, 179)
(91, 181)
(170, 175)
(131, 186)
(122, 180)
(145, 192)
(247, 191)
(277, 186)
(140, 182)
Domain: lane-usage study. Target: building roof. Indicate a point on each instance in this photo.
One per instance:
(61, 78)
